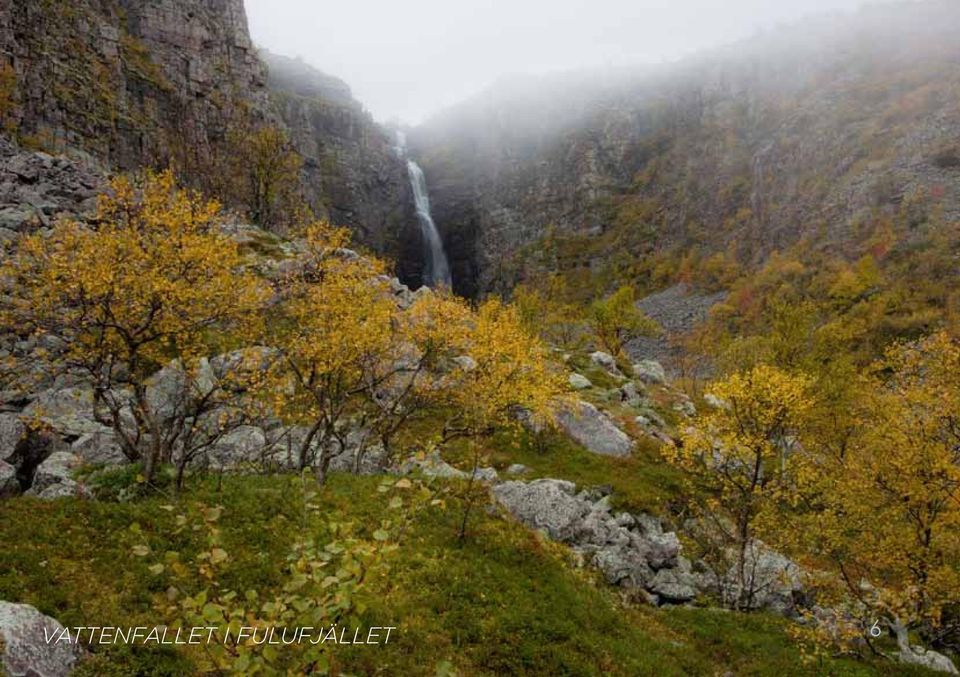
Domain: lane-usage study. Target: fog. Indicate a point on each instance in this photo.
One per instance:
(407, 59)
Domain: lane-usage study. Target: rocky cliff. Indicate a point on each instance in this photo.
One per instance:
(811, 130)
(131, 84)
(352, 173)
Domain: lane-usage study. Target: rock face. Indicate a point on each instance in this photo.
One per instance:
(132, 83)
(126, 85)
(765, 139)
(353, 174)
(24, 651)
(587, 425)
(632, 551)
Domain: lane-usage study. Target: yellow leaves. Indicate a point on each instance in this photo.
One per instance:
(153, 275)
(512, 369)
(616, 319)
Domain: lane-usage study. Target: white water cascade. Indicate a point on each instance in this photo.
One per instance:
(436, 270)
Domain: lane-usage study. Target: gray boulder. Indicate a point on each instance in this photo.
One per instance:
(13, 433)
(675, 585)
(517, 469)
(579, 382)
(25, 650)
(99, 448)
(9, 485)
(56, 469)
(69, 411)
(243, 444)
(548, 505)
(650, 371)
(607, 361)
(932, 660)
(629, 394)
(587, 425)
(629, 550)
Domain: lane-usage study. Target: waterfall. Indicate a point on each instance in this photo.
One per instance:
(436, 270)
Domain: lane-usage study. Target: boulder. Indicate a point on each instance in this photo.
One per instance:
(629, 550)
(674, 585)
(56, 469)
(465, 362)
(517, 469)
(68, 410)
(65, 489)
(607, 361)
(13, 433)
(579, 382)
(630, 395)
(99, 448)
(548, 505)
(371, 461)
(9, 484)
(932, 660)
(685, 407)
(24, 649)
(587, 425)
(650, 371)
(243, 444)
(715, 402)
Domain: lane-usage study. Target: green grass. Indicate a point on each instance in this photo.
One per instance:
(504, 602)
(642, 483)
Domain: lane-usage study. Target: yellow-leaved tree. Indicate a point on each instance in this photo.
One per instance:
(737, 457)
(504, 377)
(617, 319)
(149, 285)
(884, 507)
(334, 328)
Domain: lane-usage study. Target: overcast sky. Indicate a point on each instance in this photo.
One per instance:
(406, 59)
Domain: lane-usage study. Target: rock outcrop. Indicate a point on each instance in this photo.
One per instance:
(131, 83)
(353, 174)
(632, 551)
(594, 430)
(24, 649)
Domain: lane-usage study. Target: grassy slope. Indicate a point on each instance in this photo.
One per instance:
(505, 602)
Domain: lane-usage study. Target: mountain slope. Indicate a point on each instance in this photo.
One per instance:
(810, 130)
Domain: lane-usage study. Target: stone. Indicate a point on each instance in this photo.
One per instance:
(686, 408)
(675, 586)
(9, 484)
(24, 651)
(607, 361)
(715, 402)
(465, 362)
(517, 469)
(69, 410)
(579, 382)
(372, 458)
(243, 444)
(549, 505)
(932, 660)
(630, 395)
(434, 466)
(587, 425)
(13, 432)
(55, 469)
(630, 550)
(64, 489)
(650, 371)
(486, 475)
(99, 448)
